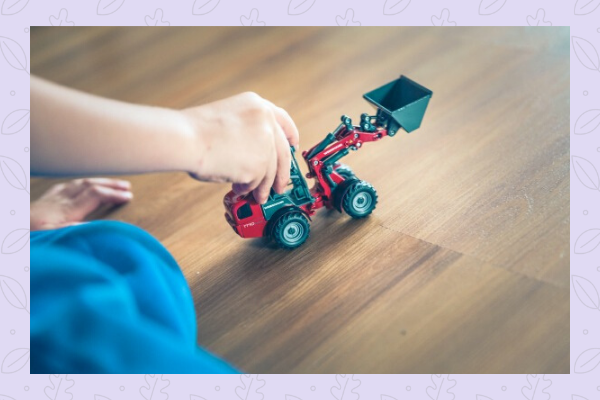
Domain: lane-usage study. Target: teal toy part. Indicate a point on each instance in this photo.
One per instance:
(298, 195)
(400, 103)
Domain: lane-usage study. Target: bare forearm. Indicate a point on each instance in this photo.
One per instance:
(243, 139)
(74, 133)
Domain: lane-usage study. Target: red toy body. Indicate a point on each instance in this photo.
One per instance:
(285, 217)
(321, 192)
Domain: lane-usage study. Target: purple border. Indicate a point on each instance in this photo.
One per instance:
(582, 15)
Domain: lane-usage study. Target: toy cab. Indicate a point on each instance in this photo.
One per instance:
(250, 219)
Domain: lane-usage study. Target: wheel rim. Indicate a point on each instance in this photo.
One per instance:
(362, 202)
(293, 232)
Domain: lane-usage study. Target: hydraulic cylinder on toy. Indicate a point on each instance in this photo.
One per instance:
(285, 217)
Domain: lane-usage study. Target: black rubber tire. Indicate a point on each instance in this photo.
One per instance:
(291, 230)
(360, 200)
(345, 172)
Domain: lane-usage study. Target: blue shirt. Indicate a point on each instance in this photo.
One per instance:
(107, 297)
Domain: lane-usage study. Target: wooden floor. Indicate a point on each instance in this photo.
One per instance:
(464, 265)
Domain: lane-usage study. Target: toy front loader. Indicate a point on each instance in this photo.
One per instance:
(400, 104)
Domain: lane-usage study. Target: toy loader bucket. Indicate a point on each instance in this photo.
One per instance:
(400, 103)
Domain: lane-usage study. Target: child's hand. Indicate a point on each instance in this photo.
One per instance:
(245, 140)
(69, 203)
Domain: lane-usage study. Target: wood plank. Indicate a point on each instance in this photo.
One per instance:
(364, 299)
(463, 267)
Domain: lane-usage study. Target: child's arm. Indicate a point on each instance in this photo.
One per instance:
(243, 139)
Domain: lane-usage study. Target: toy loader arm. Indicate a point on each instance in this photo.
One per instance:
(337, 144)
(400, 104)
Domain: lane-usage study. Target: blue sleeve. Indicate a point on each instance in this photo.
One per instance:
(106, 297)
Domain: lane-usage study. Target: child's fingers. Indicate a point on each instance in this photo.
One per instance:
(244, 188)
(77, 186)
(112, 183)
(108, 182)
(94, 196)
(284, 160)
(261, 193)
(66, 224)
(240, 188)
(287, 124)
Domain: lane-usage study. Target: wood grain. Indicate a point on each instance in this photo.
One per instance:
(464, 265)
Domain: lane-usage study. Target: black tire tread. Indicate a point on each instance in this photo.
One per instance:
(282, 222)
(352, 190)
(345, 172)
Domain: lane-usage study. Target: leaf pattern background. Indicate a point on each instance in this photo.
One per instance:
(345, 388)
(15, 122)
(587, 122)
(347, 19)
(15, 241)
(586, 292)
(13, 173)
(59, 387)
(393, 7)
(488, 7)
(100, 397)
(156, 385)
(536, 387)
(12, 7)
(15, 360)
(539, 19)
(441, 389)
(194, 397)
(5, 397)
(107, 7)
(13, 54)
(252, 19)
(586, 172)
(587, 361)
(482, 397)
(591, 24)
(587, 241)
(297, 7)
(62, 19)
(250, 388)
(586, 53)
(157, 20)
(575, 397)
(443, 19)
(584, 7)
(13, 292)
(203, 7)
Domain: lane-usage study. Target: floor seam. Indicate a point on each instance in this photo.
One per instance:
(491, 264)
